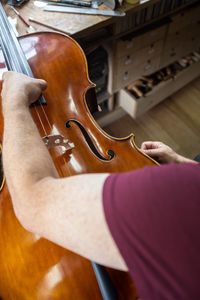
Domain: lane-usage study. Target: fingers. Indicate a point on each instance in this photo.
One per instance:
(22, 88)
(151, 145)
(153, 152)
(7, 73)
(156, 150)
(4, 76)
(19, 76)
(43, 84)
(159, 151)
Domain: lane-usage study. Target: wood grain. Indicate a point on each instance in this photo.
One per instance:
(72, 23)
(175, 122)
(32, 267)
(78, 25)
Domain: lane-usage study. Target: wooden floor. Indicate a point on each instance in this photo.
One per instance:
(175, 121)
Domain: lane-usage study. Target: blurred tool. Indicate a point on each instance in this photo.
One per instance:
(92, 4)
(47, 25)
(73, 2)
(87, 11)
(111, 3)
(70, 3)
(29, 27)
(16, 2)
(95, 4)
(20, 16)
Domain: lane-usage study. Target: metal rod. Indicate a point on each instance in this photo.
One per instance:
(84, 10)
(20, 16)
(47, 25)
(107, 288)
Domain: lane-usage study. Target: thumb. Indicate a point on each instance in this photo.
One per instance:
(151, 152)
(42, 83)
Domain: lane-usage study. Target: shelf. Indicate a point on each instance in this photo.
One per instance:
(105, 118)
(102, 97)
(136, 107)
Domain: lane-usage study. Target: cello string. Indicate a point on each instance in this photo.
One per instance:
(66, 165)
(16, 60)
(3, 181)
(36, 110)
(45, 114)
(20, 64)
(12, 57)
(40, 121)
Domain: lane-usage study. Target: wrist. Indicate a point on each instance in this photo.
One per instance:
(13, 105)
(182, 159)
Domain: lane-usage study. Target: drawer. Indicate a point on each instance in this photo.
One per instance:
(196, 14)
(121, 79)
(193, 33)
(184, 19)
(138, 58)
(136, 107)
(176, 40)
(176, 46)
(126, 46)
(172, 54)
(180, 43)
(169, 57)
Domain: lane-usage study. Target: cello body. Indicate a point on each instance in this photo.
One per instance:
(32, 268)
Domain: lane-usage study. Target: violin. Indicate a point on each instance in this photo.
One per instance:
(32, 267)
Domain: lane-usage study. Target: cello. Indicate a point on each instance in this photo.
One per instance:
(32, 267)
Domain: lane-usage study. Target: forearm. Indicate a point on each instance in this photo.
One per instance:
(163, 153)
(182, 159)
(25, 158)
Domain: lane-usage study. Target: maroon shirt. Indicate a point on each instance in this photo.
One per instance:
(154, 217)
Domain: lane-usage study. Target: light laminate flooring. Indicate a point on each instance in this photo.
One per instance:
(175, 121)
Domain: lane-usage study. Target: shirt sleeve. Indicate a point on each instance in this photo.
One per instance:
(154, 217)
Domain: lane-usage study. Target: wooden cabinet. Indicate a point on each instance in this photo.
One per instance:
(136, 107)
(137, 55)
(128, 74)
(149, 50)
(184, 19)
(152, 35)
(143, 52)
(182, 36)
(139, 40)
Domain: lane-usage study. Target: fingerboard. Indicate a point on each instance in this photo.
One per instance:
(1, 171)
(12, 51)
(15, 58)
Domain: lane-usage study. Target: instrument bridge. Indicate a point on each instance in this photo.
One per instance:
(2, 178)
(56, 140)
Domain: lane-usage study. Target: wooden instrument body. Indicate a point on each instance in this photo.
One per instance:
(32, 267)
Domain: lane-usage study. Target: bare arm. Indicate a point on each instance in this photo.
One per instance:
(163, 153)
(66, 211)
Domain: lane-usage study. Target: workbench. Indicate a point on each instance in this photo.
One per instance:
(142, 42)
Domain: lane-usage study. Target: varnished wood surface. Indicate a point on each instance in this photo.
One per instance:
(76, 25)
(175, 121)
(32, 268)
(72, 23)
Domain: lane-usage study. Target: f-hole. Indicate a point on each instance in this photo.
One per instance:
(110, 153)
(1, 171)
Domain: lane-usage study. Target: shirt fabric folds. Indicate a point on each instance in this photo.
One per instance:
(154, 217)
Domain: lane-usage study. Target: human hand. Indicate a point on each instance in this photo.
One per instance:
(161, 152)
(19, 90)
